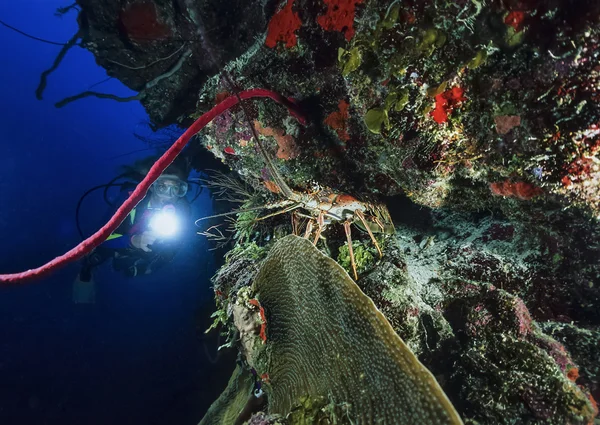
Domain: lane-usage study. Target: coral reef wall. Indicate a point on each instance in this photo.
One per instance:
(153, 46)
(477, 123)
(453, 104)
(463, 104)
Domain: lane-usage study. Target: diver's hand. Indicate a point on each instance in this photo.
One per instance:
(142, 240)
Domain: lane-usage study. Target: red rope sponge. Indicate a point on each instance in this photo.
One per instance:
(142, 188)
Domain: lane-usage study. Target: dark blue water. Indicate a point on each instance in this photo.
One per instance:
(138, 356)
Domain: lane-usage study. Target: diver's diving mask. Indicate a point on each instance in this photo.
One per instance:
(170, 185)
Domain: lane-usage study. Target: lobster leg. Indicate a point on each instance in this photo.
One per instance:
(320, 223)
(308, 231)
(364, 222)
(283, 211)
(350, 250)
(294, 224)
(379, 223)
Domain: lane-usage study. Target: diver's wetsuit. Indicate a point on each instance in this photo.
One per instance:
(133, 261)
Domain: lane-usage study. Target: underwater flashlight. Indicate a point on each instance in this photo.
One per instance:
(165, 223)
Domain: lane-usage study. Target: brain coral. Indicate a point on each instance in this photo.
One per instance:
(326, 338)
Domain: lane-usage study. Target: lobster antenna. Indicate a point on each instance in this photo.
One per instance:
(268, 160)
(229, 213)
(262, 207)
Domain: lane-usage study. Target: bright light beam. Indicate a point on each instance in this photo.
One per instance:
(164, 223)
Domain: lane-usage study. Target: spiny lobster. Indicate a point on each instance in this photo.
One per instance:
(324, 206)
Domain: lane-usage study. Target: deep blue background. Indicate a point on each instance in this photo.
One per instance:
(138, 356)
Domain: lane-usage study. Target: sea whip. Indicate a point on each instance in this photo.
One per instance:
(142, 188)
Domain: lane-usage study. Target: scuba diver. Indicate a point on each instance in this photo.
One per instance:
(148, 238)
